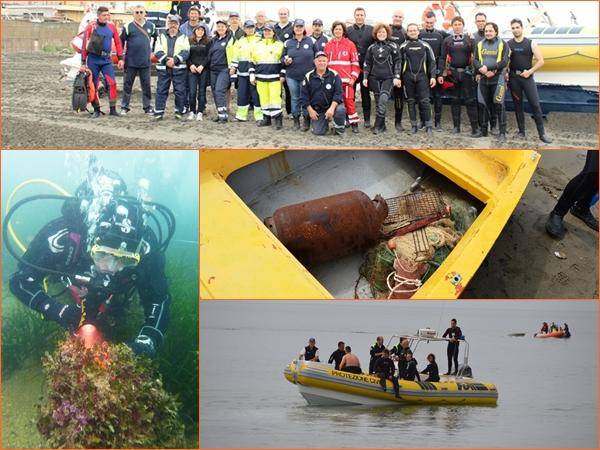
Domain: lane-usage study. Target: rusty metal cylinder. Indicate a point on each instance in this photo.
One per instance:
(330, 227)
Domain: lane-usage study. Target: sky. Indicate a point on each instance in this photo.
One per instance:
(586, 12)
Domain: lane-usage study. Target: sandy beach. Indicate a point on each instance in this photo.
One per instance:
(36, 109)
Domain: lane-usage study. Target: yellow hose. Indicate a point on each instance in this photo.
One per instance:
(53, 185)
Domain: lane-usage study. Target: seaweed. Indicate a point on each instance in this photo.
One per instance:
(106, 397)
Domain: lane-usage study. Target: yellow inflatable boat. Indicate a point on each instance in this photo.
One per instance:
(321, 385)
(241, 258)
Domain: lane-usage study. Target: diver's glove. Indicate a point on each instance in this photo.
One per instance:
(67, 316)
(147, 341)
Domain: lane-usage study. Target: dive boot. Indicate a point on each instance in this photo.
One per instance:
(585, 215)
(545, 139)
(475, 131)
(305, 123)
(113, 112)
(296, 122)
(265, 122)
(279, 122)
(555, 226)
(379, 126)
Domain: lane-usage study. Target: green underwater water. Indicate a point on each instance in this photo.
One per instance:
(26, 337)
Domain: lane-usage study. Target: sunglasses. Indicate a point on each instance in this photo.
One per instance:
(140, 12)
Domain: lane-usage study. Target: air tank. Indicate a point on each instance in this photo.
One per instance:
(327, 228)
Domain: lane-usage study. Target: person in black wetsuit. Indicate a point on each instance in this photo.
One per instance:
(419, 69)
(398, 37)
(577, 198)
(432, 369)
(400, 351)
(385, 370)
(479, 35)
(454, 333)
(362, 36)
(521, 82)
(411, 368)
(435, 38)
(456, 62)
(544, 329)
(491, 60)
(102, 251)
(567, 331)
(310, 352)
(376, 352)
(337, 355)
(381, 72)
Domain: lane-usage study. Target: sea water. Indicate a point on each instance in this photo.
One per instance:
(547, 387)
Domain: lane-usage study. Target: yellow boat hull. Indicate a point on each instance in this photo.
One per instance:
(241, 258)
(320, 384)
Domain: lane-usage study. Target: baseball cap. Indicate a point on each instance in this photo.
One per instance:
(249, 23)
(321, 54)
(173, 18)
(318, 22)
(234, 14)
(298, 23)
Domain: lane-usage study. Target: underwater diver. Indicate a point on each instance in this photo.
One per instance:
(432, 369)
(337, 355)
(385, 369)
(102, 250)
(454, 333)
(310, 352)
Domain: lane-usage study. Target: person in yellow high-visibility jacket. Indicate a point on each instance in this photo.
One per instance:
(240, 64)
(265, 73)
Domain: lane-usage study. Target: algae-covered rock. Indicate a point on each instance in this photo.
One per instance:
(106, 397)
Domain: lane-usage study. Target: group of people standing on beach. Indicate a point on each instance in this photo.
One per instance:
(321, 76)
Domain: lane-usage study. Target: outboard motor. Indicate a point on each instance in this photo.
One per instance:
(464, 370)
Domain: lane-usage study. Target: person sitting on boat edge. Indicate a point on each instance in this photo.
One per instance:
(544, 329)
(350, 362)
(553, 327)
(384, 368)
(337, 355)
(432, 369)
(376, 352)
(411, 368)
(566, 330)
(310, 352)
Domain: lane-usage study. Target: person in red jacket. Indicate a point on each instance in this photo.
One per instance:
(343, 59)
(96, 55)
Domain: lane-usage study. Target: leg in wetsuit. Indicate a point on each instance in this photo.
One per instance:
(416, 89)
(436, 99)
(489, 108)
(463, 91)
(582, 188)
(365, 98)
(398, 107)
(525, 87)
(452, 353)
(382, 382)
(103, 65)
(382, 90)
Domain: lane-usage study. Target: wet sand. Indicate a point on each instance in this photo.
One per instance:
(522, 263)
(37, 114)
